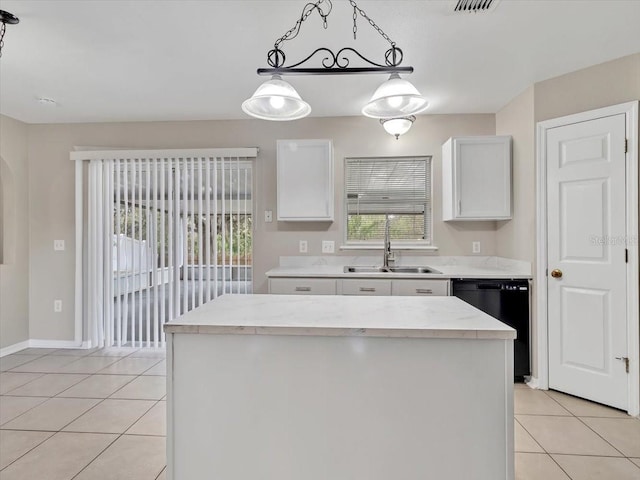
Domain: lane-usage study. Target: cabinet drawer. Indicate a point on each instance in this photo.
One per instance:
(420, 287)
(366, 287)
(302, 286)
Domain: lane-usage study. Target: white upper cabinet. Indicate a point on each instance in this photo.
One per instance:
(305, 180)
(476, 178)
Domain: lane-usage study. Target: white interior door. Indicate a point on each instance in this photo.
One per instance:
(586, 198)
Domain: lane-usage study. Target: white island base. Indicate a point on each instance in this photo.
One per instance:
(339, 388)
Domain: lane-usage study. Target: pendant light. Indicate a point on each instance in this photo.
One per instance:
(395, 98)
(397, 126)
(276, 100)
(6, 18)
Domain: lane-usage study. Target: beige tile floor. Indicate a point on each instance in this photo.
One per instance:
(83, 414)
(100, 415)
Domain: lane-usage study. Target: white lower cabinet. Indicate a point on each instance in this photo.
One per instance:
(420, 287)
(366, 286)
(302, 286)
(358, 286)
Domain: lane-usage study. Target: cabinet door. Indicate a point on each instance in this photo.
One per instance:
(476, 178)
(420, 287)
(365, 286)
(302, 286)
(305, 180)
(482, 180)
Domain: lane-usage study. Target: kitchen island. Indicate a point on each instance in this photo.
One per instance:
(281, 387)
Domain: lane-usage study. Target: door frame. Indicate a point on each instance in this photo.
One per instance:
(630, 110)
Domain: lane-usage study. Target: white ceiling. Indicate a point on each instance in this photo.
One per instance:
(129, 60)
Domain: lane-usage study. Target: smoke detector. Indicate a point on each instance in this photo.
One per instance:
(475, 6)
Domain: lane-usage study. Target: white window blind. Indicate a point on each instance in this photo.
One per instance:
(397, 186)
(166, 234)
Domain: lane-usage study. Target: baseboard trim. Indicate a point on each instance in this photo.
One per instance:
(534, 383)
(16, 347)
(35, 343)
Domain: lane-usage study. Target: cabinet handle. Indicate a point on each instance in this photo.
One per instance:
(367, 289)
(459, 207)
(426, 291)
(303, 289)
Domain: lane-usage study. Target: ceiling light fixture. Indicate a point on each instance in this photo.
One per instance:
(6, 18)
(397, 126)
(277, 100)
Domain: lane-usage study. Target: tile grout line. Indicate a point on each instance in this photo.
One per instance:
(161, 472)
(108, 446)
(543, 448)
(87, 375)
(118, 436)
(580, 420)
(529, 433)
(18, 373)
(84, 398)
(585, 424)
(574, 454)
(32, 448)
(26, 411)
(607, 441)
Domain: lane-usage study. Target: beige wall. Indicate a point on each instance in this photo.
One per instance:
(52, 189)
(609, 83)
(14, 263)
(516, 238)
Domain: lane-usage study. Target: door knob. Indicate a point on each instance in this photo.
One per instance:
(556, 273)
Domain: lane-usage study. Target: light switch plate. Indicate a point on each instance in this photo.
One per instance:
(268, 216)
(57, 306)
(304, 246)
(58, 245)
(328, 246)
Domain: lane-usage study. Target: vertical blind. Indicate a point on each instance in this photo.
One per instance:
(397, 186)
(165, 235)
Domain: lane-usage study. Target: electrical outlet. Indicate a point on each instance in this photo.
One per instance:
(57, 306)
(475, 247)
(268, 216)
(328, 246)
(58, 245)
(304, 246)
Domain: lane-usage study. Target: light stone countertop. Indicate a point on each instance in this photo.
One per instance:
(450, 267)
(350, 316)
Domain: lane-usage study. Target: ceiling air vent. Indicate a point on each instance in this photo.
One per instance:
(475, 5)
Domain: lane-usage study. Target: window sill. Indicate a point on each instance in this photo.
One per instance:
(394, 246)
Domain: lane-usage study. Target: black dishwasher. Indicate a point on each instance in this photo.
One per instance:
(508, 301)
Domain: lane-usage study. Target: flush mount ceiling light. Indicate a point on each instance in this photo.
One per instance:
(278, 100)
(6, 18)
(397, 126)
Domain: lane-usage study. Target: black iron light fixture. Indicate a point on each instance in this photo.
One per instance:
(6, 18)
(395, 99)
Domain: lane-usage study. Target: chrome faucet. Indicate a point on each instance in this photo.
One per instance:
(388, 254)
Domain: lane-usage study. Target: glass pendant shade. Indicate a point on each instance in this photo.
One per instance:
(397, 126)
(276, 100)
(395, 98)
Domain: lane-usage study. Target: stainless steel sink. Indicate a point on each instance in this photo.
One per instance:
(364, 269)
(413, 270)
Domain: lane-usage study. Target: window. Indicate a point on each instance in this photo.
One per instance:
(396, 186)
